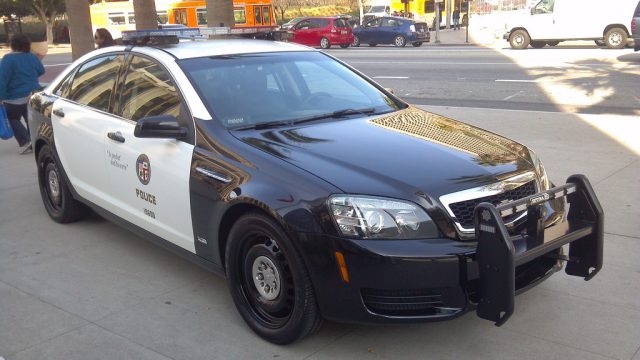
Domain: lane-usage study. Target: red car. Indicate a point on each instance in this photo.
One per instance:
(323, 32)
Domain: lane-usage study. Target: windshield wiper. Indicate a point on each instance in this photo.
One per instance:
(334, 114)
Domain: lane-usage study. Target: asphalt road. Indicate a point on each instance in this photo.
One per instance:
(567, 79)
(585, 80)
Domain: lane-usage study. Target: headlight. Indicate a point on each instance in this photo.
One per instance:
(379, 218)
(542, 173)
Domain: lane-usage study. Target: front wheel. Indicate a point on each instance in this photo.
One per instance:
(616, 38)
(519, 39)
(268, 281)
(324, 43)
(55, 193)
(399, 41)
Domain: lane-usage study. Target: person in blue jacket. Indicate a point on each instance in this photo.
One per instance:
(19, 73)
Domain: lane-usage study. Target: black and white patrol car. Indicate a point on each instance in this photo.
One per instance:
(317, 193)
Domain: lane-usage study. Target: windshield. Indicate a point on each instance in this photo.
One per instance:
(252, 89)
(376, 9)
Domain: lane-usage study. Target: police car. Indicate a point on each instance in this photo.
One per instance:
(316, 193)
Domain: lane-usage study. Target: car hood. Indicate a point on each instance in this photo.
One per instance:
(398, 155)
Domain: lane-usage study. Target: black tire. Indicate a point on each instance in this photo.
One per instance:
(373, 44)
(324, 43)
(538, 44)
(399, 41)
(519, 40)
(616, 38)
(57, 199)
(356, 41)
(417, 44)
(344, 46)
(257, 246)
(553, 43)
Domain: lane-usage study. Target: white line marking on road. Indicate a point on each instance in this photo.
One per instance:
(390, 77)
(514, 80)
(54, 65)
(512, 96)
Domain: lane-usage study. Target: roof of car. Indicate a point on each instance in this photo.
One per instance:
(218, 47)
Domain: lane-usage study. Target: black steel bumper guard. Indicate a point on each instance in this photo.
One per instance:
(496, 252)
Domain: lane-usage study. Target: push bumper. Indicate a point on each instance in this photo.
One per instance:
(402, 281)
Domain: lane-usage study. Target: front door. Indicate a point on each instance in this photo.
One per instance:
(542, 21)
(150, 178)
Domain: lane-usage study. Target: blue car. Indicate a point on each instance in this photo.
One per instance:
(391, 30)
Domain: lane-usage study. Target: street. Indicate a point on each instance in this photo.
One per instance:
(92, 290)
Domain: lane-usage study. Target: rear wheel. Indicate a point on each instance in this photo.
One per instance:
(56, 196)
(399, 41)
(344, 46)
(324, 43)
(538, 44)
(356, 41)
(616, 38)
(519, 39)
(417, 44)
(268, 281)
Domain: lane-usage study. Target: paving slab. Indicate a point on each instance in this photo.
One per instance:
(26, 321)
(88, 342)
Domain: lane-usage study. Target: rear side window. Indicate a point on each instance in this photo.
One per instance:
(319, 23)
(339, 23)
(148, 91)
(95, 80)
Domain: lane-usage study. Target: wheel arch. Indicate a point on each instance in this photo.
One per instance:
(516, 29)
(611, 26)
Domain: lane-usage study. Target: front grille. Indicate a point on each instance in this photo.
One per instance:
(412, 302)
(463, 210)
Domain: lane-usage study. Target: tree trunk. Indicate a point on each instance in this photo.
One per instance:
(50, 31)
(146, 16)
(80, 31)
(220, 13)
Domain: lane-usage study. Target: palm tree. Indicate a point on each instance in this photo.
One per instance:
(80, 30)
(220, 13)
(146, 17)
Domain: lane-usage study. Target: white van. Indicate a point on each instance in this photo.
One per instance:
(378, 9)
(553, 21)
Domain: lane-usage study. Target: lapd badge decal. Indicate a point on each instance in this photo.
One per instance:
(143, 168)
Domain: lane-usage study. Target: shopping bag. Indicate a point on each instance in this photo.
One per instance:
(6, 132)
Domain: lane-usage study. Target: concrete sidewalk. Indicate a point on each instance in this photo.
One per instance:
(91, 290)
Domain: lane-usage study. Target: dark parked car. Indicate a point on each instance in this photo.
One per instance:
(315, 192)
(635, 28)
(322, 31)
(391, 30)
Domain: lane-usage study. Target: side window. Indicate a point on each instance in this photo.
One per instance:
(148, 91)
(239, 16)
(63, 88)
(201, 14)
(373, 23)
(302, 25)
(389, 22)
(544, 7)
(93, 83)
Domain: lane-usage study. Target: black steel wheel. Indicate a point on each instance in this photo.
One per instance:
(57, 199)
(268, 282)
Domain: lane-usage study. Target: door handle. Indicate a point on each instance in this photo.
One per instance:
(58, 112)
(116, 136)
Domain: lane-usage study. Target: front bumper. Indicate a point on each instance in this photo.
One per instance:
(399, 281)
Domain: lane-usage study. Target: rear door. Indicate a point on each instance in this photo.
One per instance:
(151, 182)
(78, 122)
(389, 28)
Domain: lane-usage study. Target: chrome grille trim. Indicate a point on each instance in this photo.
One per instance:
(484, 191)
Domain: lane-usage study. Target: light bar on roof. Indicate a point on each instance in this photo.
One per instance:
(169, 36)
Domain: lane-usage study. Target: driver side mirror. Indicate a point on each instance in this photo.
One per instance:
(159, 127)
